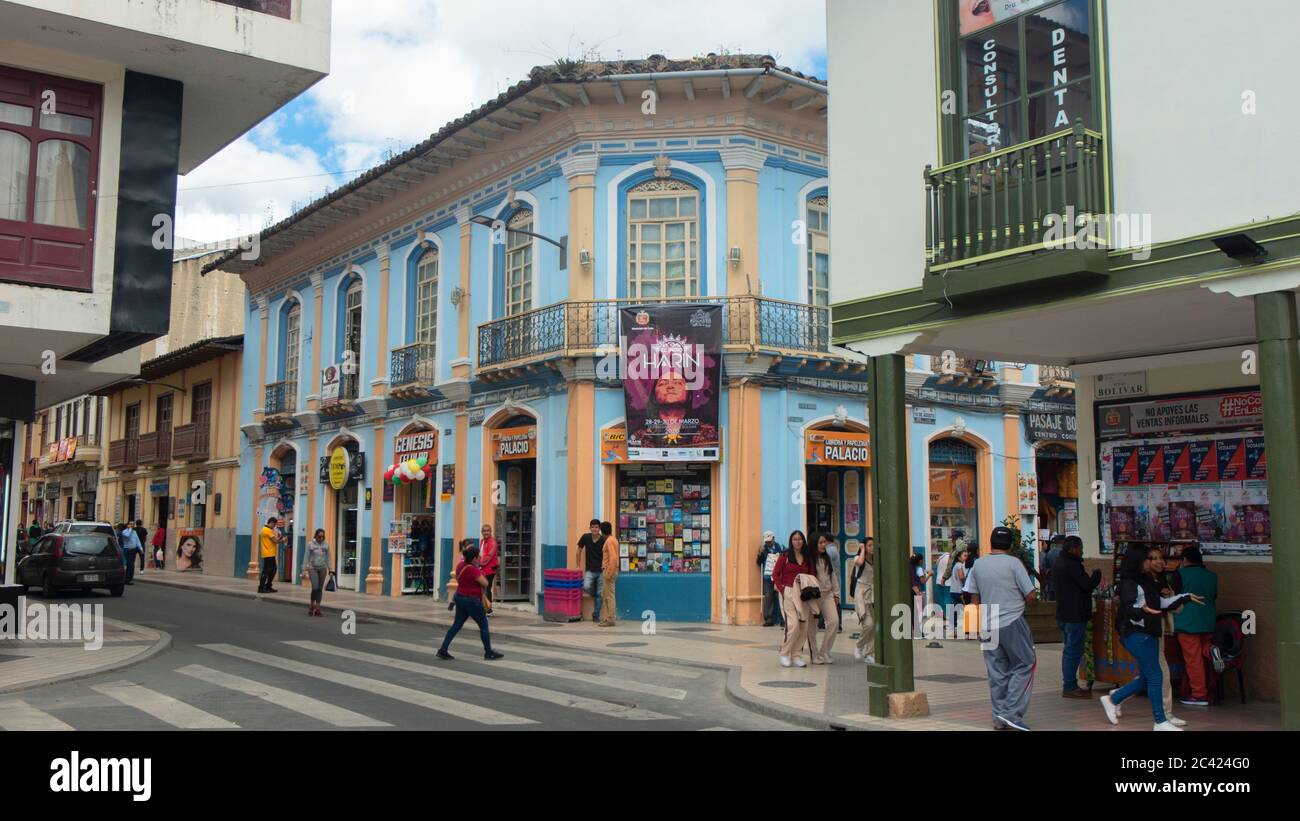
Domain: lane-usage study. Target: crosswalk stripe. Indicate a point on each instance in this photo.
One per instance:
(163, 707)
(429, 701)
(591, 705)
(16, 714)
(708, 729)
(308, 706)
(569, 675)
(661, 669)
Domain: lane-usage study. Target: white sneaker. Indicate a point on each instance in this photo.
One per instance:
(785, 661)
(826, 659)
(798, 662)
(1177, 722)
(857, 654)
(1112, 711)
(818, 660)
(1167, 727)
(869, 659)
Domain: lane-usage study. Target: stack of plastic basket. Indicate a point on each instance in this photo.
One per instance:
(562, 594)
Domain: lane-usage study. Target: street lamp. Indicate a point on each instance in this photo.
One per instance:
(500, 225)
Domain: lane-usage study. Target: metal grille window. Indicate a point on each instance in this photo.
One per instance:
(519, 263)
(819, 252)
(426, 297)
(663, 238)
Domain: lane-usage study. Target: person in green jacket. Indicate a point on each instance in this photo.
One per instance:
(1194, 623)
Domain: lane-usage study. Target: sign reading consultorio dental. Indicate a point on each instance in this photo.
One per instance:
(673, 363)
(836, 448)
(514, 443)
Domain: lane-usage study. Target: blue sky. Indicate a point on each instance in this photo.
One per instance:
(401, 69)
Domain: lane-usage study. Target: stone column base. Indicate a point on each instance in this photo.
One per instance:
(908, 705)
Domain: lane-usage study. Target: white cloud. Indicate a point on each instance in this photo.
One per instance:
(401, 69)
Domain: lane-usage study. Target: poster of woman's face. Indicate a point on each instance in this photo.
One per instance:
(189, 551)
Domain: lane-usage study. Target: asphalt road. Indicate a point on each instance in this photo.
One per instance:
(239, 663)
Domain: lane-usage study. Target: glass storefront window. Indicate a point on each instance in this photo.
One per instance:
(665, 522)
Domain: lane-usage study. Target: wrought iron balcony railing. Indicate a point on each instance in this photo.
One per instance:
(190, 443)
(1056, 375)
(412, 364)
(281, 399)
(587, 327)
(1004, 202)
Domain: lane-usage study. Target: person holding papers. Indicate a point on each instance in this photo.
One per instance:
(1141, 609)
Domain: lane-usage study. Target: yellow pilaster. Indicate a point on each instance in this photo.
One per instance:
(460, 369)
(265, 310)
(310, 477)
(744, 458)
(743, 166)
(581, 173)
(582, 456)
(1011, 465)
(459, 502)
(381, 339)
(375, 577)
(317, 331)
(254, 557)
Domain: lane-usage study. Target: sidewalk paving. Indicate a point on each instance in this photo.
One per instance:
(952, 677)
(27, 664)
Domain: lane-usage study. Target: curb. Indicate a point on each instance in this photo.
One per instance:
(733, 691)
(164, 642)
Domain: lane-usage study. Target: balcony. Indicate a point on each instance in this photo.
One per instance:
(281, 402)
(1028, 215)
(570, 329)
(412, 370)
(959, 371)
(155, 448)
(190, 443)
(123, 454)
(1056, 376)
(346, 401)
(31, 469)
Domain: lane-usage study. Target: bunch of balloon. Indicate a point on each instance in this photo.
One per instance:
(407, 471)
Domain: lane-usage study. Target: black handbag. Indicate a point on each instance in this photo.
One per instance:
(330, 587)
(810, 593)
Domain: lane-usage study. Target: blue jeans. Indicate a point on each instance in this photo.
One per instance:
(1146, 649)
(1072, 633)
(593, 584)
(129, 556)
(469, 607)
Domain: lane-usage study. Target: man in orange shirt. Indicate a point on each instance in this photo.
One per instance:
(609, 571)
(269, 540)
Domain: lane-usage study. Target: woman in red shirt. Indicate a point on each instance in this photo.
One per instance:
(488, 561)
(797, 559)
(470, 583)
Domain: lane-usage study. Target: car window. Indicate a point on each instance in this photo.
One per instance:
(89, 544)
(43, 545)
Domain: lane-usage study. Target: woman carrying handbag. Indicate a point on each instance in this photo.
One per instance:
(470, 602)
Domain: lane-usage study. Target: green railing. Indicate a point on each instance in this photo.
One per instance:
(1013, 200)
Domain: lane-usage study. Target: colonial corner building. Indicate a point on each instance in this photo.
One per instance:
(461, 305)
(1005, 121)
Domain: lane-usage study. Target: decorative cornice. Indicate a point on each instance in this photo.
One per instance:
(308, 419)
(454, 390)
(463, 214)
(746, 158)
(373, 405)
(317, 282)
(741, 365)
(384, 251)
(580, 164)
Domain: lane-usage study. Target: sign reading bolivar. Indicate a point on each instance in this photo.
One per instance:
(837, 448)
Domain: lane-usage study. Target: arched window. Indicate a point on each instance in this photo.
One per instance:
(819, 251)
(351, 341)
(663, 239)
(426, 297)
(292, 338)
(519, 263)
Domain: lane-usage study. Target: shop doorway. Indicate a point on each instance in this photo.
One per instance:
(346, 554)
(837, 505)
(514, 500)
(1057, 467)
(288, 550)
(954, 500)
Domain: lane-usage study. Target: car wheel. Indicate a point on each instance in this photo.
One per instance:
(47, 587)
(116, 590)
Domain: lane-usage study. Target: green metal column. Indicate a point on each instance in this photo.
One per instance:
(1279, 379)
(888, 421)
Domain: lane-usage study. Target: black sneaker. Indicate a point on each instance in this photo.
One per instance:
(492, 655)
(272, 590)
(445, 656)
